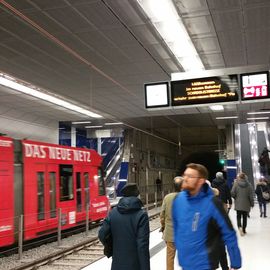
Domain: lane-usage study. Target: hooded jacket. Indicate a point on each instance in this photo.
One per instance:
(260, 188)
(243, 195)
(128, 224)
(224, 191)
(201, 226)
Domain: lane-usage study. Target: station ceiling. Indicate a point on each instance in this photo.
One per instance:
(99, 54)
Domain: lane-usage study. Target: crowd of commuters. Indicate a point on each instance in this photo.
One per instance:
(194, 222)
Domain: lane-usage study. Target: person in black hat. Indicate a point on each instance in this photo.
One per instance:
(127, 227)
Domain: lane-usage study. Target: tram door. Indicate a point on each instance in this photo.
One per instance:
(6, 204)
(46, 177)
(51, 189)
(82, 191)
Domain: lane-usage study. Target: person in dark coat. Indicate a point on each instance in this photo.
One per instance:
(260, 188)
(128, 225)
(243, 200)
(224, 191)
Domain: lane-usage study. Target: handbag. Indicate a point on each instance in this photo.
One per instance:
(265, 195)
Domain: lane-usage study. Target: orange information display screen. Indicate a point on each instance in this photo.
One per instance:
(205, 90)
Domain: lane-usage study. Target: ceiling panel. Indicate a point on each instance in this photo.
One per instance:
(100, 53)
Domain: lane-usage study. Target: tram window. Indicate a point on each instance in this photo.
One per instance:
(79, 192)
(52, 194)
(101, 184)
(41, 203)
(66, 183)
(86, 188)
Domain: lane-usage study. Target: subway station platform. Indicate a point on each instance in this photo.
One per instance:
(254, 246)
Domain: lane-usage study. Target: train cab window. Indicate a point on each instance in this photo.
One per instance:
(52, 194)
(86, 188)
(66, 183)
(101, 183)
(41, 197)
(79, 191)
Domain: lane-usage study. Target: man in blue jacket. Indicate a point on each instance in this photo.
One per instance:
(201, 223)
(128, 226)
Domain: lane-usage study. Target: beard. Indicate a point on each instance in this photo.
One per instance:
(190, 186)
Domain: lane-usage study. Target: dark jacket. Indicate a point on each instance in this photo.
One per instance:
(260, 188)
(243, 195)
(224, 191)
(129, 227)
(200, 223)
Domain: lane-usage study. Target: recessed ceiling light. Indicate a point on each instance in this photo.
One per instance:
(93, 126)
(216, 108)
(258, 118)
(81, 122)
(113, 123)
(263, 112)
(226, 117)
(168, 23)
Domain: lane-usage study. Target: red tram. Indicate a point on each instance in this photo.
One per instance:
(38, 178)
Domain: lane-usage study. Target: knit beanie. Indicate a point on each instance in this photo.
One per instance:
(130, 189)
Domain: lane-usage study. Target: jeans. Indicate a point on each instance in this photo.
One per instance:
(262, 206)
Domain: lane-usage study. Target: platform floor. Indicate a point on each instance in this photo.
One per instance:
(254, 246)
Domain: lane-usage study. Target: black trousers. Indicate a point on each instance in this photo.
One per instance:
(223, 258)
(242, 219)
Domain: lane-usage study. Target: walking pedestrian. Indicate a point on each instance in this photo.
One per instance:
(166, 222)
(260, 188)
(243, 200)
(201, 224)
(128, 226)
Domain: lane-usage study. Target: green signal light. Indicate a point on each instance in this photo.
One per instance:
(222, 161)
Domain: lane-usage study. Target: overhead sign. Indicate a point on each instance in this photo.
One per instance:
(255, 86)
(205, 90)
(156, 95)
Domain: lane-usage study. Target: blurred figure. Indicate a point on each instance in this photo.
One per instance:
(243, 200)
(128, 225)
(201, 224)
(166, 221)
(159, 184)
(264, 162)
(260, 188)
(224, 191)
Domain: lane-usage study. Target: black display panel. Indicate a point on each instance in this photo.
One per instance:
(205, 90)
(255, 85)
(156, 94)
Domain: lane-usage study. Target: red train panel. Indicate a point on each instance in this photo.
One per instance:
(60, 177)
(6, 191)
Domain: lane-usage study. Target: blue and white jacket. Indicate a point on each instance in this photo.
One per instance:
(201, 226)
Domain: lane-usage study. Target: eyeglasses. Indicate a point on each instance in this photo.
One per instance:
(190, 176)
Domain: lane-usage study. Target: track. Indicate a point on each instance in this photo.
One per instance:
(78, 256)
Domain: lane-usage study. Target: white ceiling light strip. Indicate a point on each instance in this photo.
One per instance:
(226, 117)
(263, 112)
(166, 20)
(258, 118)
(13, 84)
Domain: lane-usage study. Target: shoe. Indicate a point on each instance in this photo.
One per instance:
(261, 214)
(264, 216)
(241, 231)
